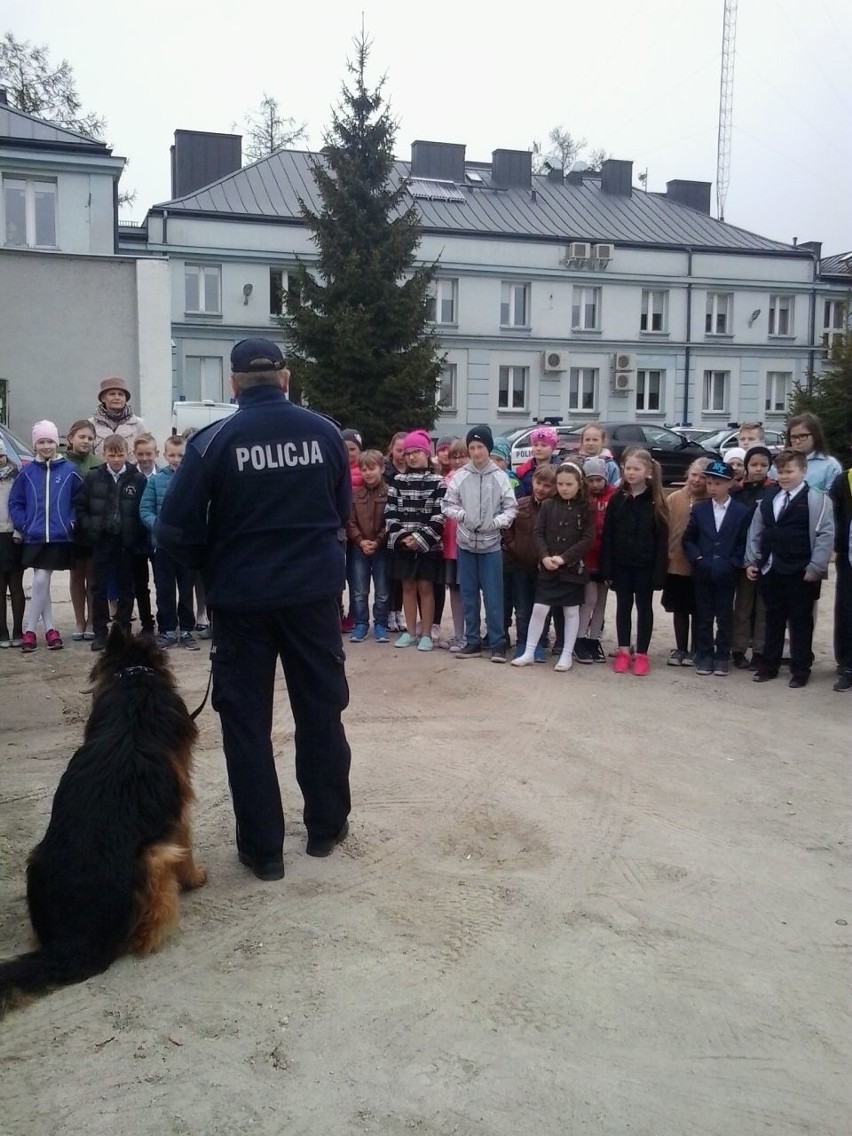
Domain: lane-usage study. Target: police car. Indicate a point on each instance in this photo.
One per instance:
(519, 441)
(187, 414)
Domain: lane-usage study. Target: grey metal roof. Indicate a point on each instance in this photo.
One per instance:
(20, 127)
(551, 210)
(838, 265)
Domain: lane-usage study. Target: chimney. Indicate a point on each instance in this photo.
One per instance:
(4, 98)
(555, 173)
(812, 246)
(441, 161)
(694, 194)
(617, 177)
(200, 157)
(511, 168)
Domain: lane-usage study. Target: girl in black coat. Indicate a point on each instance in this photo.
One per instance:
(634, 553)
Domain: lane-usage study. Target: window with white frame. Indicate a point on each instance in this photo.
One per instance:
(29, 212)
(281, 285)
(716, 389)
(203, 289)
(781, 315)
(445, 394)
(513, 389)
(586, 309)
(202, 378)
(717, 319)
(649, 391)
(834, 314)
(514, 304)
(654, 315)
(583, 388)
(779, 387)
(441, 305)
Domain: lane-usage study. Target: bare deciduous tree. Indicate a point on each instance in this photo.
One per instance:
(563, 149)
(267, 130)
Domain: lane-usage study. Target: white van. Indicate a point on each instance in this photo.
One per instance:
(198, 414)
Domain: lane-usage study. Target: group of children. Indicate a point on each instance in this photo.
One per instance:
(738, 552)
(92, 515)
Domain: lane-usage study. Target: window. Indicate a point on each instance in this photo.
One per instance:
(202, 378)
(717, 320)
(441, 306)
(280, 287)
(446, 392)
(583, 388)
(654, 315)
(649, 390)
(514, 305)
(29, 208)
(512, 392)
(586, 309)
(833, 321)
(659, 438)
(781, 315)
(779, 387)
(203, 289)
(716, 385)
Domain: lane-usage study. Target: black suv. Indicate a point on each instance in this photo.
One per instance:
(674, 453)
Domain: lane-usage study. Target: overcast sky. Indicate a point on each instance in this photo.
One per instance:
(640, 79)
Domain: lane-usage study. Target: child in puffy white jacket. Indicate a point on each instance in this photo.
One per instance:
(481, 499)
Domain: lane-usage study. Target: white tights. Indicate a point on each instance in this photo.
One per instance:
(40, 603)
(572, 626)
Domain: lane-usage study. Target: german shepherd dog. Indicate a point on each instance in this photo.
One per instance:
(105, 879)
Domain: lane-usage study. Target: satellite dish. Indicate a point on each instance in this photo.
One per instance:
(579, 166)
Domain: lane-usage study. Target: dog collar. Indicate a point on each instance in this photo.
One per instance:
(128, 671)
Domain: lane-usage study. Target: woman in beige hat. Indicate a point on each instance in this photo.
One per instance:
(113, 415)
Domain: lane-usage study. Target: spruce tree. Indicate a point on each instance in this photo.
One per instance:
(362, 350)
(829, 396)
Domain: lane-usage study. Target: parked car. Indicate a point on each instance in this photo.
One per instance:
(16, 450)
(519, 442)
(674, 453)
(724, 440)
(186, 414)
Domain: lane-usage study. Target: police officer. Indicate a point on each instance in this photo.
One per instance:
(258, 503)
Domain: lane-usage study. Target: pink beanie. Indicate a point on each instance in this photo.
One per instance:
(45, 431)
(546, 435)
(417, 440)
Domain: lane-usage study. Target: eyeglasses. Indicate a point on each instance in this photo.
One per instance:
(799, 437)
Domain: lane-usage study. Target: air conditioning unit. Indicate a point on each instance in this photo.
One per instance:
(624, 362)
(622, 381)
(555, 361)
(604, 252)
(580, 250)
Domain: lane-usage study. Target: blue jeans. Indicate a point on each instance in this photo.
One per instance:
(482, 572)
(361, 570)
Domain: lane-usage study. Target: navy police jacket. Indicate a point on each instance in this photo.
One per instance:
(258, 504)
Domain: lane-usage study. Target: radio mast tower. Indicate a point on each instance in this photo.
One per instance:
(726, 106)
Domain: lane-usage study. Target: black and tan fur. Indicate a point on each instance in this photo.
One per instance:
(105, 879)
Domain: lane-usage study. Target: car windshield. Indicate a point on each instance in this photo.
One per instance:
(713, 441)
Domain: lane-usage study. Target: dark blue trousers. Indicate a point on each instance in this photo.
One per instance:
(245, 653)
(714, 602)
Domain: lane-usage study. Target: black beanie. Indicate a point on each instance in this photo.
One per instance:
(353, 436)
(481, 434)
(759, 449)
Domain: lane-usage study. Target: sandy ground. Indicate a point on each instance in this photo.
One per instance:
(570, 904)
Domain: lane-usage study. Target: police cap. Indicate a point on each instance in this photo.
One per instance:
(251, 355)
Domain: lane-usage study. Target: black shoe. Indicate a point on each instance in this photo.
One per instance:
(327, 846)
(583, 649)
(99, 643)
(703, 666)
(596, 651)
(844, 681)
(798, 681)
(264, 867)
(763, 675)
(739, 660)
(756, 661)
(498, 654)
(468, 651)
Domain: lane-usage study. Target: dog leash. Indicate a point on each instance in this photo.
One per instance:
(198, 709)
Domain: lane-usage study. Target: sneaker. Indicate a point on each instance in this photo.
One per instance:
(621, 662)
(540, 655)
(188, 640)
(498, 654)
(392, 624)
(739, 660)
(5, 641)
(436, 632)
(641, 665)
(98, 643)
(29, 642)
(565, 664)
(764, 674)
(597, 652)
(456, 645)
(688, 659)
(166, 639)
(469, 651)
(203, 631)
(401, 625)
(380, 634)
(703, 666)
(405, 640)
(359, 633)
(583, 651)
(347, 624)
(425, 643)
(53, 640)
(675, 658)
(721, 668)
(76, 637)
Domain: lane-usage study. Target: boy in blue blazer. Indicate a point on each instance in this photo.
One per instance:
(714, 543)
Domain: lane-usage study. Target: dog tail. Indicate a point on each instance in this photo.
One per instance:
(38, 971)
